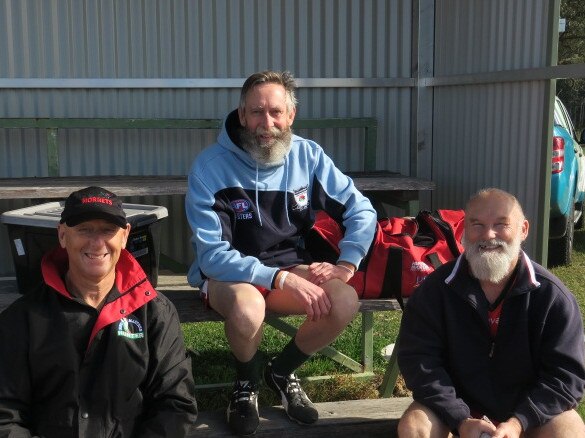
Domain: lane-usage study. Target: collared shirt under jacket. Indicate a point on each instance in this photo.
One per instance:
(534, 367)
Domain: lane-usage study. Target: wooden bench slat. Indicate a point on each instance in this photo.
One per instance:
(189, 307)
(192, 309)
(123, 185)
(351, 418)
(141, 123)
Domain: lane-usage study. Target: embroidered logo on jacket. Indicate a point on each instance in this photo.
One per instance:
(130, 328)
(241, 208)
(301, 199)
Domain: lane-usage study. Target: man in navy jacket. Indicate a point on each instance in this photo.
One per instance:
(492, 343)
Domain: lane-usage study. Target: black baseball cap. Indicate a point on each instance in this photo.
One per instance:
(93, 203)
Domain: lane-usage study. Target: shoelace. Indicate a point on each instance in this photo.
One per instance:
(243, 391)
(293, 384)
(293, 387)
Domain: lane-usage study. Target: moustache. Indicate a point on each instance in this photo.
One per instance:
(485, 245)
(274, 131)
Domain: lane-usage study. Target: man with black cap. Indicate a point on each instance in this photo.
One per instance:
(95, 351)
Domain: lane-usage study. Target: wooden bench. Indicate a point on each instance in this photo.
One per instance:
(53, 125)
(382, 187)
(192, 309)
(352, 418)
(371, 417)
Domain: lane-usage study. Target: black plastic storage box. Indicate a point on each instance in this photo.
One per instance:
(33, 231)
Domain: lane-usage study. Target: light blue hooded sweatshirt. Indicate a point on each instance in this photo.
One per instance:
(248, 221)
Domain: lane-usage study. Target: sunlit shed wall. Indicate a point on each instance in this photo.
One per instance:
(454, 85)
(69, 44)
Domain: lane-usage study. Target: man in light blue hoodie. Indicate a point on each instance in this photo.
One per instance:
(252, 198)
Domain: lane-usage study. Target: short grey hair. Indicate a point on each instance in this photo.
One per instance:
(482, 193)
(285, 78)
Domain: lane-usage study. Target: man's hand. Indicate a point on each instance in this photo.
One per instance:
(312, 297)
(321, 272)
(473, 428)
(508, 429)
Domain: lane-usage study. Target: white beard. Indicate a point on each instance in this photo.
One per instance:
(267, 154)
(492, 266)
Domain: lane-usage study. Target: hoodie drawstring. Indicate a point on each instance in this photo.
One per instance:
(285, 192)
(257, 204)
(286, 188)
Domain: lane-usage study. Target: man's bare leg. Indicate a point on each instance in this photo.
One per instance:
(418, 421)
(243, 308)
(314, 335)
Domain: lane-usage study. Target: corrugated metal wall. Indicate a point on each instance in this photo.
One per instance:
(429, 80)
(492, 134)
(67, 44)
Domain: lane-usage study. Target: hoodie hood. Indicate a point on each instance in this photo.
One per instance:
(229, 138)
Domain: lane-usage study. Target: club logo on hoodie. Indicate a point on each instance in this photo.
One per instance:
(241, 208)
(130, 328)
(301, 199)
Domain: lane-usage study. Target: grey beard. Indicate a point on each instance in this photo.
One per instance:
(267, 155)
(492, 267)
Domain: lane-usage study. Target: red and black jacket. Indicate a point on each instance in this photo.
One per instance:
(75, 371)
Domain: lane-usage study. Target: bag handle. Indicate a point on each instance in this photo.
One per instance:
(434, 259)
(392, 285)
(447, 231)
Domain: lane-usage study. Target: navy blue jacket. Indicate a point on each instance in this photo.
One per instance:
(533, 369)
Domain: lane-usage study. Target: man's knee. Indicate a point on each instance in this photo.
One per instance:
(419, 421)
(344, 300)
(569, 423)
(240, 304)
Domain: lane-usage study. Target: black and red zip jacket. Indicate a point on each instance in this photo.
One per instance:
(69, 370)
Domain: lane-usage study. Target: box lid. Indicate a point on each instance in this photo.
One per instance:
(48, 215)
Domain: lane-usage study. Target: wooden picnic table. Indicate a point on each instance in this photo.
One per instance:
(62, 186)
(381, 187)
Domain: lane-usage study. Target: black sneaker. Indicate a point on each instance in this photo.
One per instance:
(242, 412)
(294, 400)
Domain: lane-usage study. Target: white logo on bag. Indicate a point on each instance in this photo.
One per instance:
(420, 267)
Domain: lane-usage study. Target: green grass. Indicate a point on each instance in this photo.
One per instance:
(212, 361)
(572, 276)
